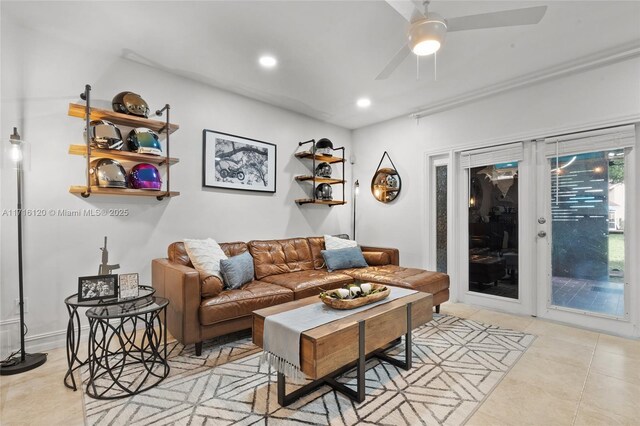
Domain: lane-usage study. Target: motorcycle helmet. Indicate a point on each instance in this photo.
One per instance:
(323, 192)
(130, 103)
(323, 170)
(145, 176)
(108, 173)
(324, 146)
(144, 141)
(104, 135)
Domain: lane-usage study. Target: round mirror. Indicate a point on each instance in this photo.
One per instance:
(386, 185)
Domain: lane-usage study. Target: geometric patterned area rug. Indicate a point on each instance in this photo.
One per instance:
(456, 364)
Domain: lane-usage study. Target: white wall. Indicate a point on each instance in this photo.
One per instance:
(40, 77)
(593, 96)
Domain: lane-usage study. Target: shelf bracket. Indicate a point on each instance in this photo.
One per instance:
(86, 96)
(167, 109)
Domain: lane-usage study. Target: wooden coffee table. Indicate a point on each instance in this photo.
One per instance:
(332, 349)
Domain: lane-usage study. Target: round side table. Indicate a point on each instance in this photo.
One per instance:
(123, 359)
(74, 327)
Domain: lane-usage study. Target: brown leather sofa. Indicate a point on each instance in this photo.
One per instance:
(285, 270)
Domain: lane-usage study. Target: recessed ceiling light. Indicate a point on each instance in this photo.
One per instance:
(268, 61)
(364, 102)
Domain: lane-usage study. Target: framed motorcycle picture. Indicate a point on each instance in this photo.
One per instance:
(236, 162)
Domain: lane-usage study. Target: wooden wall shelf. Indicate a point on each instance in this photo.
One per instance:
(326, 158)
(301, 201)
(120, 155)
(330, 181)
(90, 153)
(78, 110)
(95, 190)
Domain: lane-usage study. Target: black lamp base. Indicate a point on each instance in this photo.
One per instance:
(30, 362)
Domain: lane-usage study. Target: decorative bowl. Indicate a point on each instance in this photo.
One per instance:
(331, 298)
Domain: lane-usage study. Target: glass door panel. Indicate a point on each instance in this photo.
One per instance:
(441, 218)
(587, 232)
(493, 230)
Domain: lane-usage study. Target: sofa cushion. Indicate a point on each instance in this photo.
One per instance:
(416, 279)
(177, 253)
(376, 258)
(344, 258)
(234, 249)
(316, 244)
(231, 304)
(274, 257)
(210, 286)
(309, 283)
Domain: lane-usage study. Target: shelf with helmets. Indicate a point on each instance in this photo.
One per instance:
(78, 110)
(319, 179)
(104, 142)
(121, 155)
(322, 156)
(96, 190)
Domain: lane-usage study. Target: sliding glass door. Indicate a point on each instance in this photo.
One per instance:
(587, 232)
(584, 186)
(494, 261)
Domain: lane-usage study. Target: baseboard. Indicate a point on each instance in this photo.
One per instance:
(42, 342)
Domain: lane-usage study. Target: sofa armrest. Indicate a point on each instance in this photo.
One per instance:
(181, 285)
(394, 254)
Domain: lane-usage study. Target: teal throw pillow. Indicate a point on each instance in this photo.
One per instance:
(345, 258)
(237, 270)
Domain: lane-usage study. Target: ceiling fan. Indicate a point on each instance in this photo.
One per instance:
(427, 30)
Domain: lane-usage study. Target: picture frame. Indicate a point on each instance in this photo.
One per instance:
(236, 162)
(97, 287)
(128, 285)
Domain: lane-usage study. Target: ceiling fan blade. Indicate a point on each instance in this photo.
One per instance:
(506, 18)
(405, 8)
(394, 62)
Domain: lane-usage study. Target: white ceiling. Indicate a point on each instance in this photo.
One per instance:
(330, 52)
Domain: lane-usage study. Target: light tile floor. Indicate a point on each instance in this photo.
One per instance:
(569, 376)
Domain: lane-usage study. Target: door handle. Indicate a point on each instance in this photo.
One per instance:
(542, 234)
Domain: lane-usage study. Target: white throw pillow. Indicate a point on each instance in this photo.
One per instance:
(205, 256)
(334, 243)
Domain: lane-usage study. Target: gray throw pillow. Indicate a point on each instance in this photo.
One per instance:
(237, 270)
(345, 258)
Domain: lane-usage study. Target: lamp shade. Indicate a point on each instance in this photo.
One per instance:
(427, 35)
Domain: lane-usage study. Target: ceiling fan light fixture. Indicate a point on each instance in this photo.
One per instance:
(426, 35)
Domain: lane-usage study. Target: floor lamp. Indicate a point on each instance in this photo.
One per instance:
(356, 190)
(22, 361)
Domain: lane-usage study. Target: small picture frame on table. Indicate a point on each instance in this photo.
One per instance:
(97, 287)
(129, 287)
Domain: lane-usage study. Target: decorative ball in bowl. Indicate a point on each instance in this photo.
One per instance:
(354, 295)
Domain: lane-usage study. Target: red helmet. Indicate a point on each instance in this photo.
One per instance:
(145, 176)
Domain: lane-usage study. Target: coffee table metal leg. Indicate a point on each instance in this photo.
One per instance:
(406, 364)
(357, 395)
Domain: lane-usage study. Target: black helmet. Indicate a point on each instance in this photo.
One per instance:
(324, 146)
(323, 170)
(130, 103)
(323, 192)
(104, 135)
(108, 173)
(144, 141)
